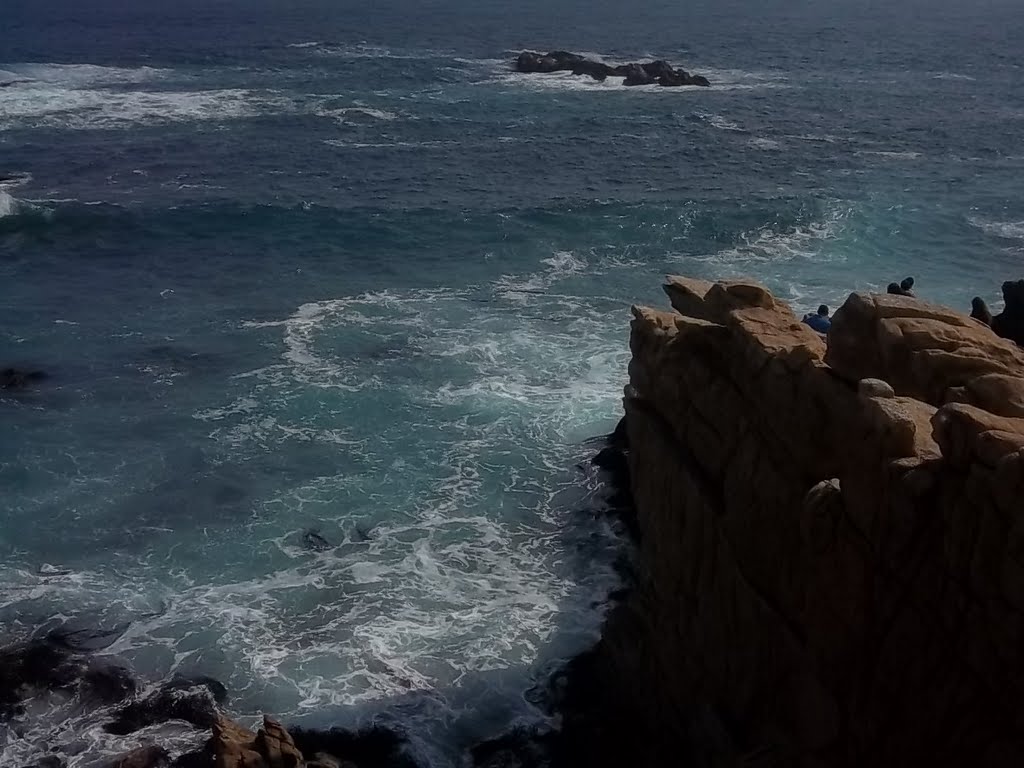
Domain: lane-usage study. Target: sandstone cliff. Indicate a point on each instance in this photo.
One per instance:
(831, 556)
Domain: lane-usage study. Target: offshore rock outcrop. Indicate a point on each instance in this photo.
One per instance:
(831, 564)
(647, 73)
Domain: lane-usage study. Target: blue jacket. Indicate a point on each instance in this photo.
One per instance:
(820, 323)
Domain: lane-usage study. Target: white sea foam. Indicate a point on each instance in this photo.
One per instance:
(46, 105)
(952, 76)
(355, 114)
(718, 121)
(8, 205)
(890, 155)
(1008, 230)
(764, 143)
(770, 245)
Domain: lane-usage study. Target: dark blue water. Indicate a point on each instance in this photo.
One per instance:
(326, 266)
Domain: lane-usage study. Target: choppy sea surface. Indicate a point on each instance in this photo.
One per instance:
(314, 266)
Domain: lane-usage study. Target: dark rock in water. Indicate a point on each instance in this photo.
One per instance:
(193, 700)
(85, 640)
(521, 747)
(619, 438)
(614, 461)
(199, 758)
(657, 69)
(648, 73)
(314, 541)
(36, 665)
(363, 533)
(108, 683)
(635, 75)
(48, 761)
(143, 757)
(1010, 322)
(595, 69)
(16, 379)
(373, 746)
(556, 61)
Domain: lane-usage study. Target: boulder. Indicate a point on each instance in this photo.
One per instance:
(595, 69)
(646, 73)
(556, 61)
(35, 666)
(635, 75)
(657, 69)
(144, 757)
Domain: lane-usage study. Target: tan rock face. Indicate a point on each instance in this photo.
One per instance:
(238, 747)
(831, 569)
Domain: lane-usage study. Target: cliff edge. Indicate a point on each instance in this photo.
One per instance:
(831, 552)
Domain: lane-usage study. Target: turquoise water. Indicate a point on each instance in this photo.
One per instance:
(314, 267)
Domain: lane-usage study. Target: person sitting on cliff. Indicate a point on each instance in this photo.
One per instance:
(907, 286)
(894, 289)
(980, 311)
(819, 320)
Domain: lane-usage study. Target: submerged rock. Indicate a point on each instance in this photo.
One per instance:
(193, 700)
(144, 757)
(17, 379)
(314, 541)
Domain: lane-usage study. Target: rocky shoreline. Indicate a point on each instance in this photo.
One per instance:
(657, 72)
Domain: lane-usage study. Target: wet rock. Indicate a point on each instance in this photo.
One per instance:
(375, 745)
(18, 379)
(108, 683)
(595, 69)
(658, 68)
(522, 747)
(193, 700)
(555, 61)
(144, 757)
(635, 75)
(312, 540)
(48, 761)
(34, 666)
(647, 73)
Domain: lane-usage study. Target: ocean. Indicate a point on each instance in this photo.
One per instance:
(334, 268)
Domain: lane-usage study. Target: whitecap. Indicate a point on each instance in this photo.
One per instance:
(8, 204)
(768, 244)
(890, 155)
(764, 143)
(718, 121)
(952, 76)
(1008, 230)
(43, 104)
